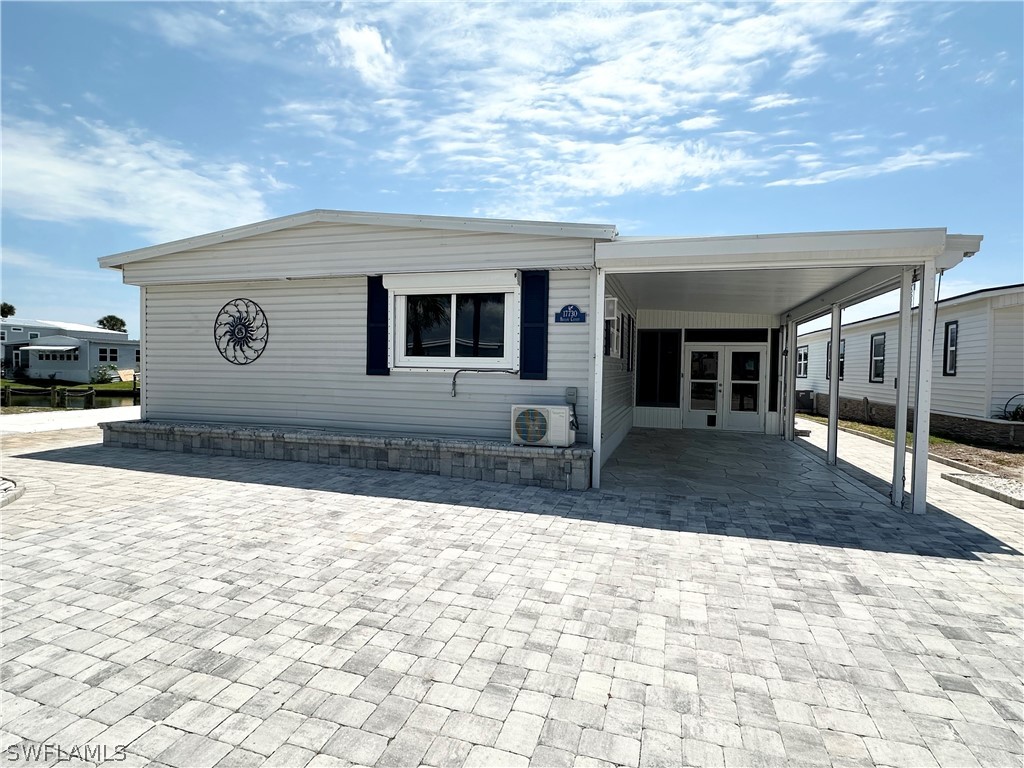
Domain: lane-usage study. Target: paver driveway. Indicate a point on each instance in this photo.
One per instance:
(224, 611)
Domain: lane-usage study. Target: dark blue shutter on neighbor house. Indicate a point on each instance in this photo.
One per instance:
(533, 331)
(376, 327)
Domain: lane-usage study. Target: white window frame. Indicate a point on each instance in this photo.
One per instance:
(32, 335)
(611, 319)
(802, 362)
(15, 329)
(108, 355)
(401, 286)
(873, 358)
(947, 348)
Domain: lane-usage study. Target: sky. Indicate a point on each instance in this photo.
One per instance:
(129, 124)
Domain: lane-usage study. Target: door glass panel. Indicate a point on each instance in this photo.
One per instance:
(702, 395)
(744, 397)
(746, 366)
(704, 366)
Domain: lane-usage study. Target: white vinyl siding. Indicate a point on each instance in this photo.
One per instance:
(313, 370)
(327, 250)
(617, 389)
(966, 394)
(1007, 377)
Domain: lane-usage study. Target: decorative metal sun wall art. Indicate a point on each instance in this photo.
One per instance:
(241, 331)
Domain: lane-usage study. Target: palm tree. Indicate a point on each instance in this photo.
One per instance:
(422, 314)
(112, 323)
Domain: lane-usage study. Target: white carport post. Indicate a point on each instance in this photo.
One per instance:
(789, 383)
(597, 400)
(923, 399)
(833, 386)
(899, 458)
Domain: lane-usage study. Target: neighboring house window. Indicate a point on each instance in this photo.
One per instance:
(842, 359)
(463, 320)
(15, 329)
(3, 335)
(33, 335)
(138, 356)
(949, 349)
(108, 354)
(802, 356)
(877, 370)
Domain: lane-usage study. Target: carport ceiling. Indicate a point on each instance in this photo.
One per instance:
(755, 291)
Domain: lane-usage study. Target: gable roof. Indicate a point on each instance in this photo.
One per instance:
(412, 221)
(951, 301)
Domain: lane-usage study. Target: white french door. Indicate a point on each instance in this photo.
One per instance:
(725, 386)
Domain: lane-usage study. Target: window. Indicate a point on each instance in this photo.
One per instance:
(33, 335)
(108, 354)
(802, 356)
(454, 320)
(15, 329)
(876, 371)
(3, 335)
(612, 328)
(658, 368)
(630, 342)
(842, 359)
(949, 349)
(138, 356)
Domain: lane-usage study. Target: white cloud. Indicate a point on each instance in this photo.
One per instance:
(700, 123)
(915, 157)
(99, 173)
(774, 101)
(545, 106)
(39, 266)
(364, 49)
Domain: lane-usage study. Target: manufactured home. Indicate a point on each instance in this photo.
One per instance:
(977, 358)
(43, 349)
(516, 351)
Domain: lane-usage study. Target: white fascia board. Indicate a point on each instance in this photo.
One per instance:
(958, 248)
(866, 285)
(783, 251)
(544, 228)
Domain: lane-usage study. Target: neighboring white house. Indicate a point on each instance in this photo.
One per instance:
(436, 327)
(44, 349)
(977, 355)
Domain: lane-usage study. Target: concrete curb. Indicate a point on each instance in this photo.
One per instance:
(970, 485)
(12, 495)
(931, 456)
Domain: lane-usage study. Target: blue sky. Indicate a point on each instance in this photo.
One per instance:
(129, 124)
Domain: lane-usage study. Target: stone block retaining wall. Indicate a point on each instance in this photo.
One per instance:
(995, 432)
(561, 468)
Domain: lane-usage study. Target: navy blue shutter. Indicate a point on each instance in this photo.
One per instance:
(533, 328)
(376, 327)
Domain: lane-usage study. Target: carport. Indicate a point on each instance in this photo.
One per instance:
(720, 315)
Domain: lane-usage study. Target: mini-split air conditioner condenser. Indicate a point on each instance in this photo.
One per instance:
(542, 425)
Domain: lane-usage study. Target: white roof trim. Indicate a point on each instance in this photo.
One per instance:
(802, 249)
(543, 228)
(47, 349)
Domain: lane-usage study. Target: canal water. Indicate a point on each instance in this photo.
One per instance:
(76, 403)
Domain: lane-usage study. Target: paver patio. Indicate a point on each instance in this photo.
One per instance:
(219, 611)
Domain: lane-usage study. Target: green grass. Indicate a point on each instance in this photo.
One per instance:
(886, 433)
